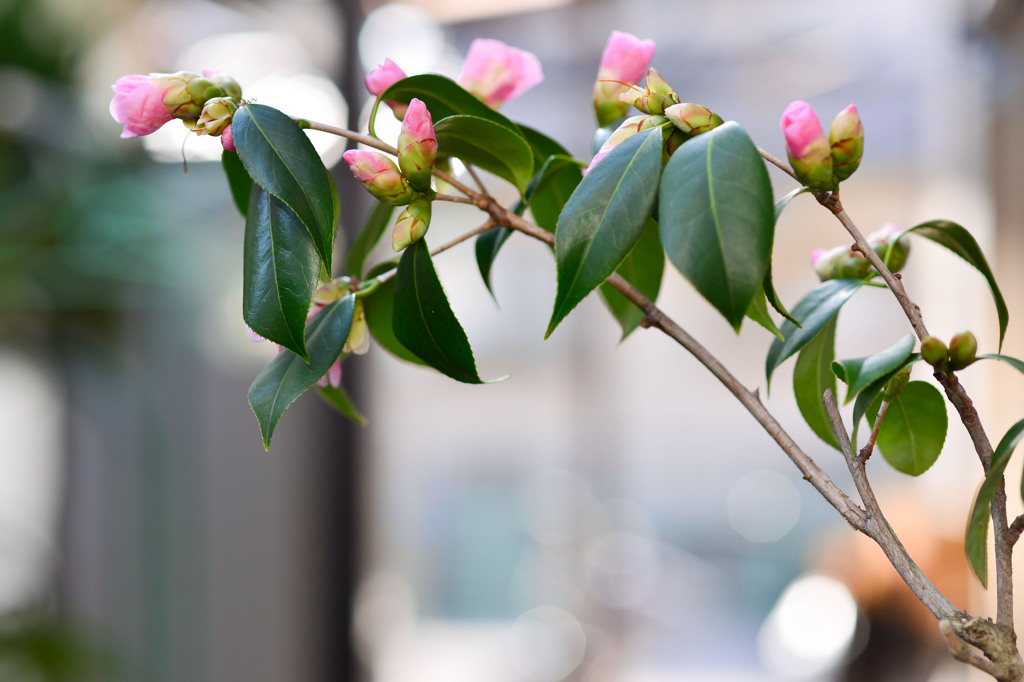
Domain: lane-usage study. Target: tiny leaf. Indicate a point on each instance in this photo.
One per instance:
(288, 376)
(976, 537)
(338, 398)
(758, 312)
(858, 373)
(811, 377)
(604, 218)
(423, 320)
(717, 218)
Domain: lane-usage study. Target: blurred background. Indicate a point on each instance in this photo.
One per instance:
(607, 514)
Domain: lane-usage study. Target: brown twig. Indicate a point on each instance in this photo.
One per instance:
(865, 452)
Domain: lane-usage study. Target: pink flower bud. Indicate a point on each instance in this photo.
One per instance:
(623, 62)
(379, 175)
(417, 145)
(846, 137)
(807, 146)
(412, 224)
(332, 377)
(358, 341)
(138, 104)
(227, 140)
(382, 78)
(631, 126)
(496, 73)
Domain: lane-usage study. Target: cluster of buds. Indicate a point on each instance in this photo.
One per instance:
(821, 162)
(961, 352)
(848, 263)
(408, 182)
(623, 63)
(205, 104)
(493, 71)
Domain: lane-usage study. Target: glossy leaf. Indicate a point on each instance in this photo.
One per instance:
(280, 158)
(280, 272)
(487, 247)
(643, 268)
(443, 97)
(423, 320)
(812, 376)
(377, 222)
(487, 145)
(814, 311)
(338, 398)
(717, 218)
(976, 537)
(604, 218)
(379, 306)
(758, 312)
(961, 242)
(288, 376)
(859, 373)
(913, 429)
(238, 180)
(867, 396)
(550, 189)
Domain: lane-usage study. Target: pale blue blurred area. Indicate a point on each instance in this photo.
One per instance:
(608, 513)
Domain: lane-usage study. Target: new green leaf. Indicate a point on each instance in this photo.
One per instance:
(338, 398)
(977, 524)
(604, 218)
(280, 272)
(643, 268)
(288, 376)
(811, 377)
(913, 429)
(717, 217)
(423, 320)
(813, 311)
(859, 373)
(280, 158)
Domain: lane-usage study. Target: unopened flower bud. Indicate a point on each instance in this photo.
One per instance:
(216, 115)
(412, 224)
(142, 104)
(692, 119)
(623, 63)
(380, 176)
(227, 139)
(895, 386)
(655, 97)
(417, 145)
(963, 350)
(881, 240)
(358, 341)
(332, 377)
(631, 126)
(808, 148)
(846, 138)
(496, 73)
(840, 263)
(382, 78)
(934, 352)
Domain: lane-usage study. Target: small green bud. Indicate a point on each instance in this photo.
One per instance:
(840, 263)
(412, 224)
(692, 119)
(216, 116)
(846, 138)
(654, 98)
(895, 386)
(963, 350)
(881, 240)
(934, 352)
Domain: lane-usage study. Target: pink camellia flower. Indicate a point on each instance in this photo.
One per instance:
(379, 175)
(496, 73)
(808, 147)
(138, 104)
(623, 63)
(382, 78)
(417, 145)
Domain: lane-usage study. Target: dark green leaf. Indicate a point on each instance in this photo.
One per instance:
(376, 223)
(813, 311)
(280, 272)
(443, 97)
(378, 307)
(913, 429)
(487, 246)
(339, 399)
(768, 288)
(423, 320)
(717, 219)
(811, 377)
(288, 376)
(1012, 362)
(488, 145)
(977, 525)
(642, 268)
(958, 240)
(550, 189)
(859, 373)
(604, 218)
(758, 312)
(280, 158)
(238, 180)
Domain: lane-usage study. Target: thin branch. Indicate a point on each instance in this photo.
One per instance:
(488, 224)
(778, 163)
(477, 180)
(865, 452)
(454, 199)
(878, 528)
(1016, 528)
